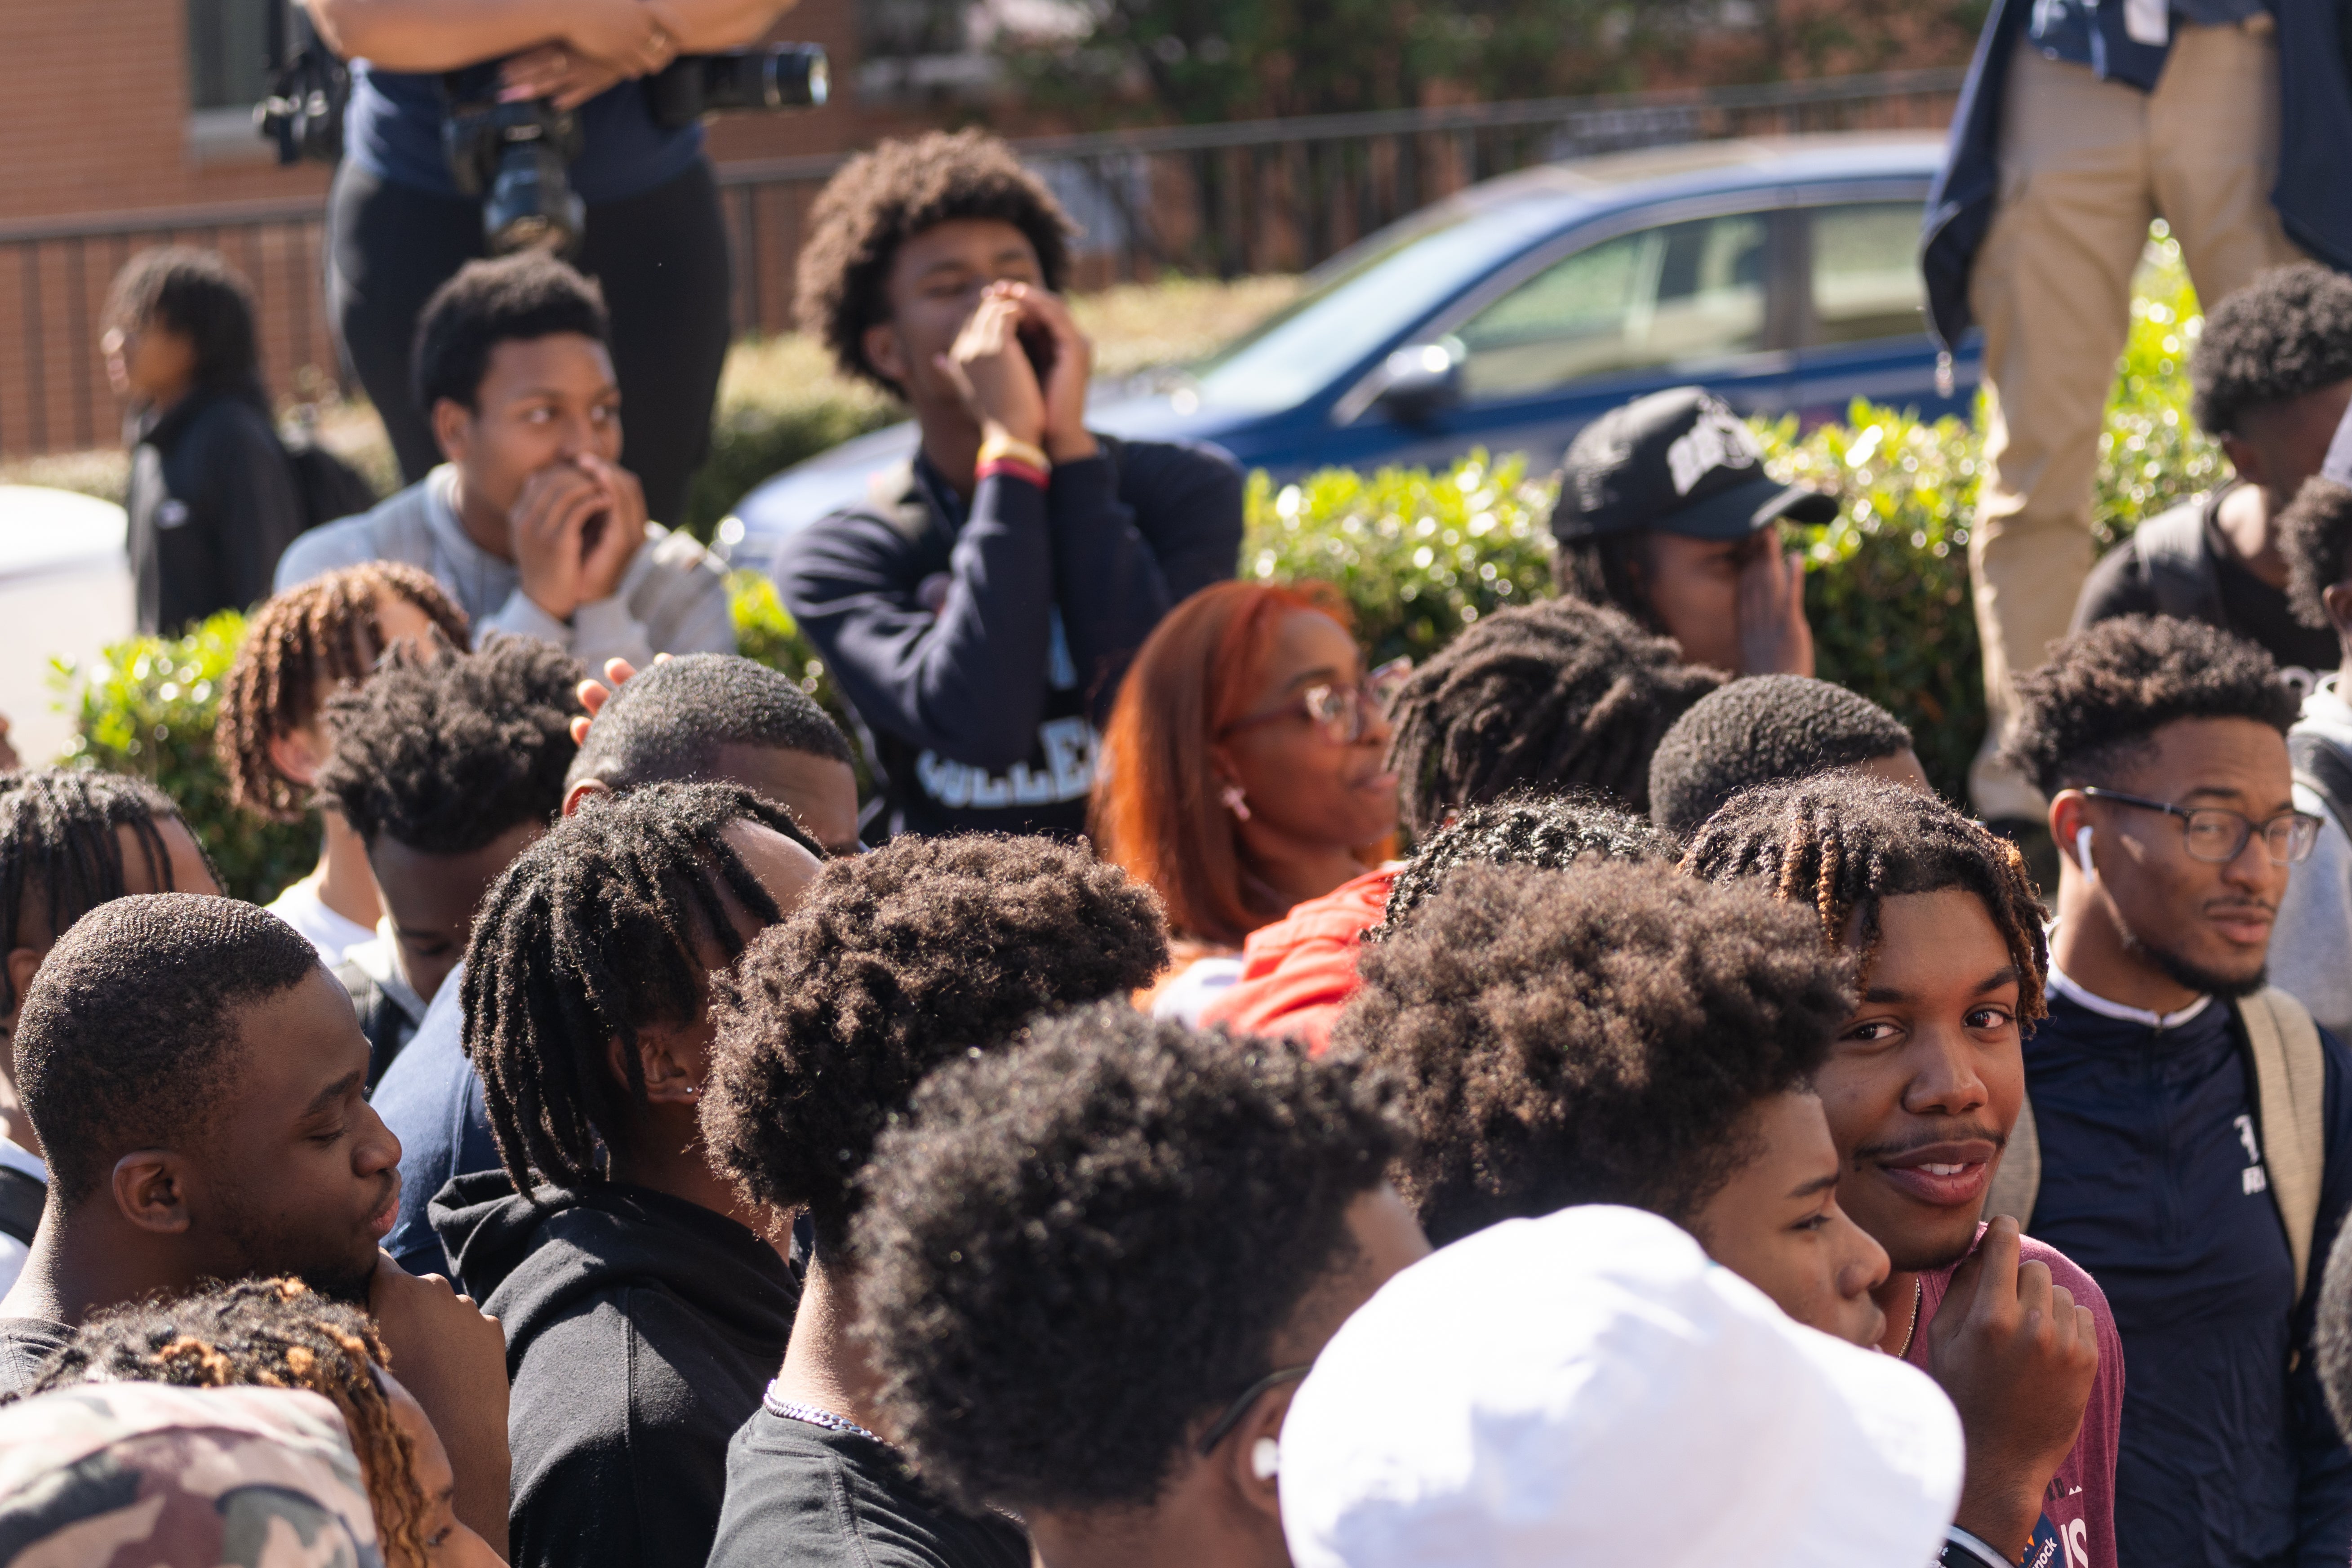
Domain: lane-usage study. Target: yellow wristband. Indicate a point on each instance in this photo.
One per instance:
(997, 446)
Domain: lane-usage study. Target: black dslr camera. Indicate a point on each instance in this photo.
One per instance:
(514, 156)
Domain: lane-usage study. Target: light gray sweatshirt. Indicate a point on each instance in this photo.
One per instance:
(2311, 950)
(672, 599)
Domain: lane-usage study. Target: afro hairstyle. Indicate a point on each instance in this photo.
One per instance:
(1597, 1034)
(2287, 332)
(596, 931)
(670, 720)
(131, 1024)
(1758, 729)
(443, 751)
(2332, 1330)
(61, 850)
(2315, 534)
(895, 962)
(882, 199)
(1524, 829)
(1076, 1251)
(510, 298)
(1841, 844)
(2108, 688)
(1555, 696)
(266, 1333)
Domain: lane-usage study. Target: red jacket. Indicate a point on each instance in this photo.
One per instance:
(1297, 973)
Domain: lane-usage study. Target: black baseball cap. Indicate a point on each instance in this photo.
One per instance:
(1678, 462)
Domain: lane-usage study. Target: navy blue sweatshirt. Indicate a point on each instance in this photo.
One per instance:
(2151, 1180)
(980, 649)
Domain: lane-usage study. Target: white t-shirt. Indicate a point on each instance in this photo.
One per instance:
(300, 907)
(13, 1253)
(1201, 983)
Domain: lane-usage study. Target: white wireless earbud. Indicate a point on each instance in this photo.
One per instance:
(1266, 1458)
(2083, 850)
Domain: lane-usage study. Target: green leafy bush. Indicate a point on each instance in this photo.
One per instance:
(146, 707)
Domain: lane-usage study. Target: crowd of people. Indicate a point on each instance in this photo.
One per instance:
(1163, 1087)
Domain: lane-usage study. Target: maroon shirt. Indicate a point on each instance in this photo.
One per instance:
(2080, 1503)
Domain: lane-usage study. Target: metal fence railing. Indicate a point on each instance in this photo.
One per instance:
(1276, 194)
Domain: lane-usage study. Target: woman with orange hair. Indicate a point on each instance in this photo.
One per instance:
(1244, 770)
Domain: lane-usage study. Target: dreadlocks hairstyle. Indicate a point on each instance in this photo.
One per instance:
(670, 720)
(1559, 695)
(201, 298)
(2108, 688)
(885, 197)
(1546, 831)
(894, 963)
(1842, 844)
(130, 1025)
(446, 751)
(1597, 1034)
(2287, 332)
(264, 1333)
(61, 850)
(2315, 534)
(1076, 1251)
(605, 925)
(298, 648)
(1758, 729)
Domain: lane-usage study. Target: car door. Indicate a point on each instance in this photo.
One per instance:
(1861, 322)
(1704, 299)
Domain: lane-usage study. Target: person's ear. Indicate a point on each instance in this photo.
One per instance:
(151, 1190)
(1253, 1452)
(2245, 457)
(23, 963)
(887, 352)
(2069, 815)
(296, 756)
(673, 1070)
(453, 429)
(2338, 600)
(578, 794)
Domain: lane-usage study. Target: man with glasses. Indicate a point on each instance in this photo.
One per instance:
(2188, 1138)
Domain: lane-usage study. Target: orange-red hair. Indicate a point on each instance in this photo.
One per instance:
(1155, 813)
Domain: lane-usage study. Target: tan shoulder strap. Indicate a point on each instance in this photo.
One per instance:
(2290, 1094)
(2017, 1179)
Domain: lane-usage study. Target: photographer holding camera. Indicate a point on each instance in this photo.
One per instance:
(484, 125)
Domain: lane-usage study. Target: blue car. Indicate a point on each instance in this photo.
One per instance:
(1784, 274)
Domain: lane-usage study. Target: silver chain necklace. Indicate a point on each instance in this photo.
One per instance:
(1918, 1303)
(811, 1416)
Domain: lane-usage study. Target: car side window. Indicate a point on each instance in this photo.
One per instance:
(1867, 282)
(1682, 294)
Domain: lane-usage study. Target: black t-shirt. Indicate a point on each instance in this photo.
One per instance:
(25, 1345)
(802, 1494)
(2250, 608)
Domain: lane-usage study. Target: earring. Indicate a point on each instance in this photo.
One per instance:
(694, 1092)
(1233, 800)
(1266, 1458)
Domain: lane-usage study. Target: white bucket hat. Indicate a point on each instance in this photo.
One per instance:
(1589, 1388)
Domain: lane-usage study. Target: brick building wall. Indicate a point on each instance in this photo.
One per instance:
(101, 154)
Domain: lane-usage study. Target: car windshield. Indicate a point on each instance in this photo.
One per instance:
(1288, 359)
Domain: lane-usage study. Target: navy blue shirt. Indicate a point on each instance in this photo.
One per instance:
(432, 1101)
(392, 129)
(2152, 1180)
(2088, 33)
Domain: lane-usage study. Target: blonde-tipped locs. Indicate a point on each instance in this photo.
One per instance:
(298, 648)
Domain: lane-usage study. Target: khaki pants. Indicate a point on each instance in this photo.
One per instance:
(2086, 165)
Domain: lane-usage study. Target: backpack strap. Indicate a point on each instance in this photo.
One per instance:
(22, 1198)
(2179, 568)
(2290, 1088)
(2017, 1179)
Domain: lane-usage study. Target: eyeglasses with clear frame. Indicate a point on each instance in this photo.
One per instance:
(1338, 711)
(2218, 835)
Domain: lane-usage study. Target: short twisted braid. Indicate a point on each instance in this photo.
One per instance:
(1551, 832)
(264, 1333)
(1841, 844)
(298, 648)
